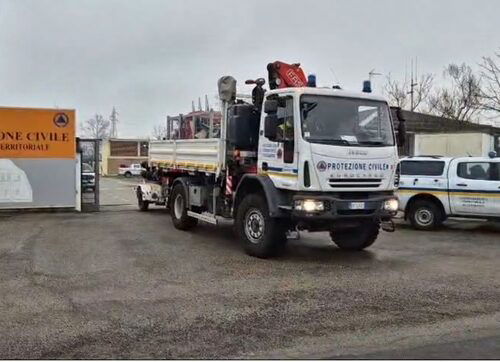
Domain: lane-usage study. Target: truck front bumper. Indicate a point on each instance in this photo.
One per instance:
(378, 207)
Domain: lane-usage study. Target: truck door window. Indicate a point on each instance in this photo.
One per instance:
(285, 133)
(475, 171)
(285, 119)
(496, 171)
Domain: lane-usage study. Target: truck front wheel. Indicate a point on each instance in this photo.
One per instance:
(178, 209)
(357, 238)
(262, 235)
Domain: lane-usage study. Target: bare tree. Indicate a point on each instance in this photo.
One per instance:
(399, 92)
(490, 70)
(96, 127)
(462, 99)
(159, 132)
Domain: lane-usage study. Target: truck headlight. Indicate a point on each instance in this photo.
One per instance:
(309, 205)
(391, 205)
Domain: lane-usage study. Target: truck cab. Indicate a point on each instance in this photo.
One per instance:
(332, 147)
(433, 188)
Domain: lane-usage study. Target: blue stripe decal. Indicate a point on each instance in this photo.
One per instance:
(280, 169)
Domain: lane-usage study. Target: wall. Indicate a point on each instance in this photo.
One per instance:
(122, 151)
(37, 158)
(453, 144)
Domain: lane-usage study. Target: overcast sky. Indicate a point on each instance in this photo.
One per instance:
(152, 58)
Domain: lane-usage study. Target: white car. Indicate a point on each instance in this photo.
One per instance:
(132, 170)
(433, 188)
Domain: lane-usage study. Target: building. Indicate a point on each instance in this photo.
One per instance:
(117, 152)
(432, 135)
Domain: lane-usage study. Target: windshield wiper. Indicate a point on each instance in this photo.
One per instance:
(329, 142)
(373, 143)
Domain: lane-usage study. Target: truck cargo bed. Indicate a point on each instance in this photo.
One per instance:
(193, 155)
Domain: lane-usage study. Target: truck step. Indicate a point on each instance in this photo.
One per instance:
(207, 217)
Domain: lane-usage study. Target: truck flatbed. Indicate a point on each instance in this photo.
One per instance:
(201, 155)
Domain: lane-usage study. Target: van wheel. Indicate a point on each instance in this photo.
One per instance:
(425, 215)
(356, 238)
(143, 204)
(262, 236)
(178, 209)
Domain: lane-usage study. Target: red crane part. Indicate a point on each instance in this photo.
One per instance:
(283, 75)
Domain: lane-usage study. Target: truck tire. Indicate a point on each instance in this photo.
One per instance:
(143, 204)
(262, 236)
(425, 215)
(178, 209)
(127, 174)
(357, 238)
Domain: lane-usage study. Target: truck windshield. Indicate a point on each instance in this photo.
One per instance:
(345, 121)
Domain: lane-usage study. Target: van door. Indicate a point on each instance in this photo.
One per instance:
(475, 187)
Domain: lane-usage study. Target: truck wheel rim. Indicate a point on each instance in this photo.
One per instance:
(254, 225)
(178, 206)
(424, 217)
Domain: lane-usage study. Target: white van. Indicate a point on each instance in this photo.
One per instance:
(433, 188)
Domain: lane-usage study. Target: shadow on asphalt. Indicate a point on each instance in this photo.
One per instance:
(459, 226)
(310, 247)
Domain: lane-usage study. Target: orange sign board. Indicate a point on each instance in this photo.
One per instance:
(37, 133)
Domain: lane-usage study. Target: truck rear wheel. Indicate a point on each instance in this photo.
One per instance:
(262, 236)
(178, 209)
(425, 215)
(356, 238)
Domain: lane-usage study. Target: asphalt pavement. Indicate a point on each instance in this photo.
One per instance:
(126, 284)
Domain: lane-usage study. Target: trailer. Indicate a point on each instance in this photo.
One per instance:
(296, 158)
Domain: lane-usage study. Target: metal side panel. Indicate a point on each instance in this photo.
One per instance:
(192, 155)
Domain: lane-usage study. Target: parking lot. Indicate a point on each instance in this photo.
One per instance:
(126, 284)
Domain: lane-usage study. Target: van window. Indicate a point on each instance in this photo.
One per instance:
(477, 171)
(422, 168)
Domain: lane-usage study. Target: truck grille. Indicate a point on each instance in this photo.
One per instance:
(354, 182)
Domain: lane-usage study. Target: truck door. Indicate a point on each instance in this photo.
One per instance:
(278, 159)
(475, 187)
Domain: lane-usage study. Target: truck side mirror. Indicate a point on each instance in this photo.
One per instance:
(271, 106)
(401, 140)
(271, 127)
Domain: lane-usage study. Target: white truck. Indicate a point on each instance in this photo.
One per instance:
(433, 188)
(132, 170)
(305, 158)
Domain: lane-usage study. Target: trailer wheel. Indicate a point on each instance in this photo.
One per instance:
(425, 215)
(178, 209)
(357, 238)
(143, 204)
(262, 236)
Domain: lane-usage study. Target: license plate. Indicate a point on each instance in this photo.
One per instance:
(356, 205)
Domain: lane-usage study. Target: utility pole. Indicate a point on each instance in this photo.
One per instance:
(113, 118)
(372, 73)
(413, 84)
